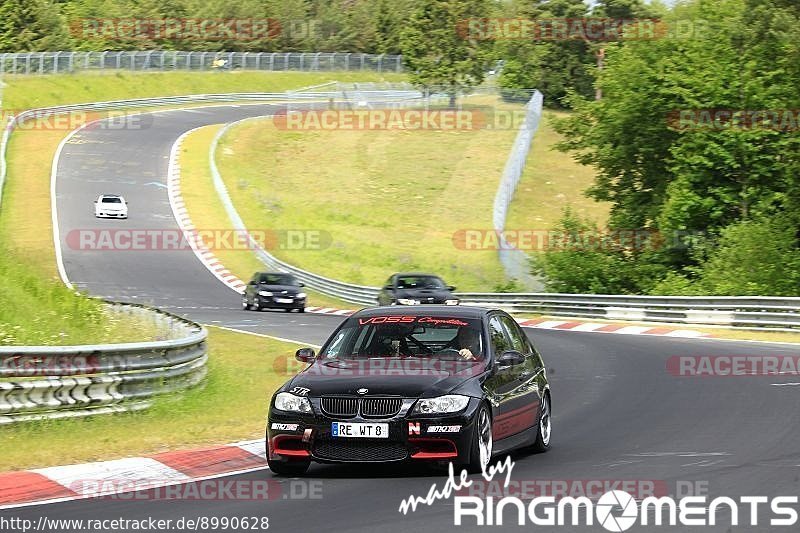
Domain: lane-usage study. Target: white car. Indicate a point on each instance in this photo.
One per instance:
(110, 206)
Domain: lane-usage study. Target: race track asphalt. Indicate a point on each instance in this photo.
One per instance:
(619, 415)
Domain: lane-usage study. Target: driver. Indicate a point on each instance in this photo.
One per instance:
(469, 340)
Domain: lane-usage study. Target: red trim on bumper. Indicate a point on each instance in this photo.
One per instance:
(289, 452)
(436, 449)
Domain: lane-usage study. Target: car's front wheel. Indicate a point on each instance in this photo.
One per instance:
(481, 453)
(289, 468)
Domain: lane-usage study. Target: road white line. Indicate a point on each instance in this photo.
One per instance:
(264, 335)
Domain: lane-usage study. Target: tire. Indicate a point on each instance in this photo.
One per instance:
(245, 305)
(301, 309)
(287, 310)
(290, 468)
(544, 429)
(481, 453)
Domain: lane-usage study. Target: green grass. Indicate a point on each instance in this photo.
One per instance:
(206, 210)
(552, 181)
(389, 200)
(45, 312)
(253, 367)
(25, 92)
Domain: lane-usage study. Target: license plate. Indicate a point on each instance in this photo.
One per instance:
(360, 430)
(284, 300)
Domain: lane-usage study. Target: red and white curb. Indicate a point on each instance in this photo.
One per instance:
(604, 327)
(206, 256)
(133, 474)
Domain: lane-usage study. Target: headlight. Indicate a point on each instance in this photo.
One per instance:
(451, 302)
(451, 403)
(264, 293)
(301, 295)
(406, 301)
(286, 401)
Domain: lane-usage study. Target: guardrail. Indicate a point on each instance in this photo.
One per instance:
(515, 261)
(50, 382)
(65, 62)
(737, 311)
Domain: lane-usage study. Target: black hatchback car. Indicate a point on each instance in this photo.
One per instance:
(428, 383)
(412, 288)
(274, 290)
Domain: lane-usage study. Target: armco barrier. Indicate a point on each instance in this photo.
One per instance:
(49, 382)
(737, 311)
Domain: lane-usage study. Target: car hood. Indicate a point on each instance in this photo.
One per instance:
(409, 378)
(112, 207)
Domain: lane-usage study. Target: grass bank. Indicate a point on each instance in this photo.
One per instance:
(207, 211)
(26, 92)
(386, 200)
(552, 181)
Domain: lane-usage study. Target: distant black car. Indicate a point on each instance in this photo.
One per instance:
(428, 383)
(415, 289)
(274, 290)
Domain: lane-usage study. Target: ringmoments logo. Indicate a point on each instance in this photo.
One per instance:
(618, 510)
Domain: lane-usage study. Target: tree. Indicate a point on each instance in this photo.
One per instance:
(437, 54)
(556, 68)
(31, 25)
(696, 178)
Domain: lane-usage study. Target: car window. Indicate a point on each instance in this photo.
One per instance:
(406, 336)
(517, 338)
(277, 279)
(419, 282)
(111, 201)
(499, 337)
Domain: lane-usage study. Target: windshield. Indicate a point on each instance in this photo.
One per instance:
(407, 336)
(419, 282)
(112, 201)
(277, 279)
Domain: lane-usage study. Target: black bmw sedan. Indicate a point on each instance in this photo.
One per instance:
(426, 383)
(414, 288)
(274, 290)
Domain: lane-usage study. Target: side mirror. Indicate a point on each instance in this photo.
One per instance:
(305, 355)
(510, 358)
(451, 287)
(301, 284)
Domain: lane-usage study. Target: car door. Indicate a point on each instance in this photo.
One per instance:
(529, 386)
(503, 383)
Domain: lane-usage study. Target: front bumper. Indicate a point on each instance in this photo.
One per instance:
(273, 303)
(111, 214)
(447, 437)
